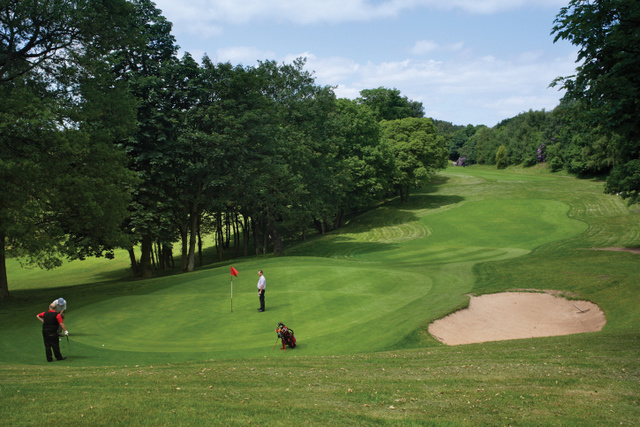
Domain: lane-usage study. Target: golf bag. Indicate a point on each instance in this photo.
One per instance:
(286, 335)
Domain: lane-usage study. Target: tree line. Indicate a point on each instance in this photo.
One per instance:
(109, 140)
(561, 139)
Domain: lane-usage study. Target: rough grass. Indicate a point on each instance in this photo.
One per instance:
(360, 301)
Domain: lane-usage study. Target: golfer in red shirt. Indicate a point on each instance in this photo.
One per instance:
(50, 322)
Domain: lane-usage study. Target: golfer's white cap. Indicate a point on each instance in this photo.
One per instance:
(61, 301)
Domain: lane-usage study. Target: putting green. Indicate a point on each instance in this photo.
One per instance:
(361, 299)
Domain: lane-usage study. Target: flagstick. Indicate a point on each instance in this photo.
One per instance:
(232, 294)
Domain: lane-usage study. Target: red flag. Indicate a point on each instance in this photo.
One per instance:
(234, 272)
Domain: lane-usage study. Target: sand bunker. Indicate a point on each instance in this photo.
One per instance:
(516, 315)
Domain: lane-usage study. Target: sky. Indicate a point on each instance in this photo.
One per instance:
(468, 61)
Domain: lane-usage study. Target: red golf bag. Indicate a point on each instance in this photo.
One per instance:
(286, 335)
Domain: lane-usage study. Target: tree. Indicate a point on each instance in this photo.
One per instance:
(387, 104)
(501, 157)
(45, 35)
(139, 61)
(608, 79)
(417, 149)
(582, 145)
(366, 163)
(294, 183)
(485, 144)
(65, 184)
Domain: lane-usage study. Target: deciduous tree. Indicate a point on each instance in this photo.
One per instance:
(388, 104)
(607, 78)
(417, 149)
(65, 185)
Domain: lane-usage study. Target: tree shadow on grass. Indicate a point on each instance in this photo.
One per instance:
(81, 294)
(340, 246)
(336, 244)
(424, 201)
(435, 184)
(397, 213)
(342, 243)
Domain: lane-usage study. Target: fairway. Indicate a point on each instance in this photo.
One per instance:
(374, 285)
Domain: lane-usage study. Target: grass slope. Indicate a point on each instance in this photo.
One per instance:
(359, 301)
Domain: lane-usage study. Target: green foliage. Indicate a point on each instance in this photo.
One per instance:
(501, 157)
(63, 112)
(556, 164)
(417, 149)
(484, 146)
(52, 37)
(456, 137)
(366, 165)
(586, 148)
(387, 104)
(608, 79)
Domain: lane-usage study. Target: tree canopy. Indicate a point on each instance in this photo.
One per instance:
(417, 149)
(66, 185)
(389, 104)
(607, 33)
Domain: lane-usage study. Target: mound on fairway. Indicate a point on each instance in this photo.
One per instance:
(516, 315)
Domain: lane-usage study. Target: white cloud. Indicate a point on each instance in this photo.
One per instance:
(193, 13)
(348, 92)
(331, 69)
(493, 88)
(423, 47)
(491, 6)
(246, 55)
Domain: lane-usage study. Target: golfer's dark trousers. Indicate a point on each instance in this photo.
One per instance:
(262, 299)
(51, 342)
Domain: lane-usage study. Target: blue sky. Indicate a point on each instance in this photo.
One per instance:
(467, 61)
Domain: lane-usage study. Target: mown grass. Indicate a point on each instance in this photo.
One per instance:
(360, 301)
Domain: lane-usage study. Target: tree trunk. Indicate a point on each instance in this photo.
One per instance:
(167, 252)
(200, 260)
(192, 241)
(4, 283)
(275, 236)
(145, 257)
(159, 256)
(134, 263)
(236, 235)
(265, 236)
(339, 219)
(184, 235)
(255, 226)
(245, 236)
(153, 257)
(227, 223)
(219, 236)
